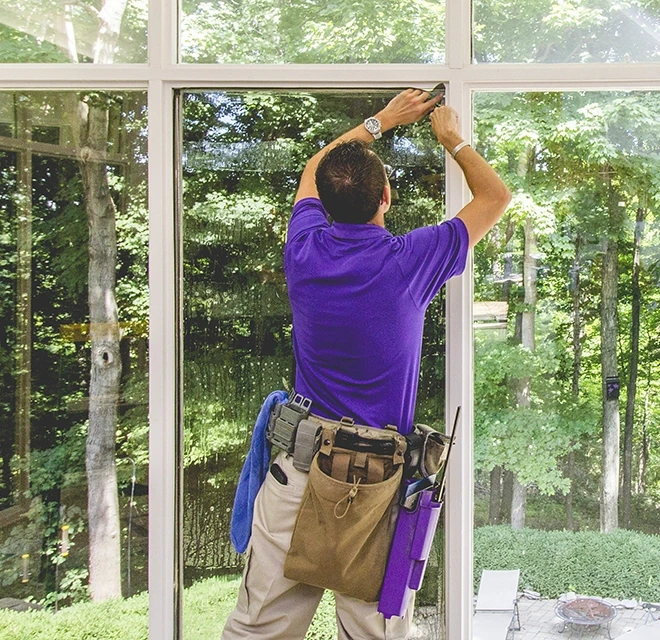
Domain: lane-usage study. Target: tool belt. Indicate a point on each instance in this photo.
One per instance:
(294, 429)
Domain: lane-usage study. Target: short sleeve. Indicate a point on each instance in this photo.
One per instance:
(308, 214)
(429, 256)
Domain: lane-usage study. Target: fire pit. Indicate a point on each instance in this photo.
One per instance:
(585, 612)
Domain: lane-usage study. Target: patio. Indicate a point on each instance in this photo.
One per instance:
(539, 622)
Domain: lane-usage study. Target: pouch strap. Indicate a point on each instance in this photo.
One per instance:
(327, 440)
(376, 470)
(341, 461)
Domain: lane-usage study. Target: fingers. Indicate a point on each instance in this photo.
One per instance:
(444, 110)
(433, 102)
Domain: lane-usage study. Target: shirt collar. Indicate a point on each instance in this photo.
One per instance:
(357, 231)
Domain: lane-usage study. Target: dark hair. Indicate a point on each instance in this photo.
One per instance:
(350, 180)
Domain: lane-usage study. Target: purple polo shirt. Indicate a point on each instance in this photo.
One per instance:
(358, 296)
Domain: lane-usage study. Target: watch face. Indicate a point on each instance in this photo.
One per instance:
(372, 125)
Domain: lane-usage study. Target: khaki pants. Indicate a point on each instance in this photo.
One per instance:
(271, 607)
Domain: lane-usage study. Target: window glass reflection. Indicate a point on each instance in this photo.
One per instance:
(568, 31)
(312, 32)
(45, 31)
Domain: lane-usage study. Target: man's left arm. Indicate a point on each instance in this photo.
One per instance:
(409, 106)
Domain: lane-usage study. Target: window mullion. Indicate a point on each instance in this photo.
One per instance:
(459, 390)
(163, 406)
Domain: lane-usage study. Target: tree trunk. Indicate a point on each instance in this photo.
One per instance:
(529, 280)
(507, 496)
(508, 259)
(631, 395)
(644, 453)
(609, 487)
(103, 507)
(518, 504)
(570, 464)
(23, 304)
(523, 390)
(494, 505)
(577, 365)
(105, 376)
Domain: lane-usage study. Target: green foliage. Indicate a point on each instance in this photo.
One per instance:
(62, 465)
(37, 34)
(623, 564)
(529, 441)
(112, 620)
(72, 588)
(304, 31)
(207, 604)
(582, 166)
(566, 31)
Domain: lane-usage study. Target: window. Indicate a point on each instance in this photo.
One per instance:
(73, 347)
(47, 31)
(312, 32)
(566, 31)
(244, 54)
(242, 155)
(566, 332)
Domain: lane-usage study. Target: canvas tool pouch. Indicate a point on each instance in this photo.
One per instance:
(427, 451)
(345, 523)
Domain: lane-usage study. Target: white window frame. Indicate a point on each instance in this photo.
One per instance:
(161, 77)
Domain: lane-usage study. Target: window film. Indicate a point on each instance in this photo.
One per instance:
(243, 154)
(312, 32)
(107, 32)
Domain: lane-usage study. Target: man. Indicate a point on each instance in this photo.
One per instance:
(358, 296)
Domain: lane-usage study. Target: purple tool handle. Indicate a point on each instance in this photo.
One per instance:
(406, 563)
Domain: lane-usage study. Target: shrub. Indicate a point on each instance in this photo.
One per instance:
(206, 607)
(621, 564)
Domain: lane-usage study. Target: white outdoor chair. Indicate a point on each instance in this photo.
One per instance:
(652, 610)
(496, 611)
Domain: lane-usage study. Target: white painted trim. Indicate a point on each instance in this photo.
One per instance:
(459, 386)
(162, 367)
(458, 46)
(564, 77)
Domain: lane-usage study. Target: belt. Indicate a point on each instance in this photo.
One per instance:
(294, 429)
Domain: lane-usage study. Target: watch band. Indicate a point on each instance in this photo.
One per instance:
(457, 148)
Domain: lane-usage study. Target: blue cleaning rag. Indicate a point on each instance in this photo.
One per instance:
(252, 475)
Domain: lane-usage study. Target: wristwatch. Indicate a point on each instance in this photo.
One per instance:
(372, 125)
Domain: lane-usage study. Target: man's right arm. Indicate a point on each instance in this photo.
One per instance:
(490, 195)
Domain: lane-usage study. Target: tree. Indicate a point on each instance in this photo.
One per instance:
(105, 375)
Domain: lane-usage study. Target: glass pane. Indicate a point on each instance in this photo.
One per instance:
(242, 158)
(270, 31)
(105, 32)
(566, 31)
(73, 360)
(566, 342)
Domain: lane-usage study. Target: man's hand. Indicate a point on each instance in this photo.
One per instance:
(491, 195)
(444, 122)
(409, 106)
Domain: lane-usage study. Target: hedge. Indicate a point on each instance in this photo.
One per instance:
(621, 564)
